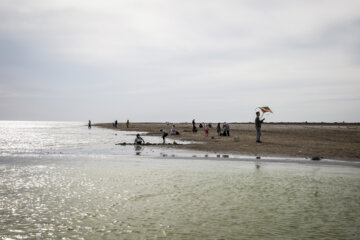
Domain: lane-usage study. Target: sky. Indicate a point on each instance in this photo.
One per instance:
(175, 60)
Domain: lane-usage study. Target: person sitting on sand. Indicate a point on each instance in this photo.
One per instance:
(164, 135)
(258, 123)
(173, 131)
(139, 140)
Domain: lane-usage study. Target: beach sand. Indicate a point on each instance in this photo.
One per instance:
(331, 141)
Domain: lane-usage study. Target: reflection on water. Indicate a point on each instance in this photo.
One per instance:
(141, 198)
(138, 149)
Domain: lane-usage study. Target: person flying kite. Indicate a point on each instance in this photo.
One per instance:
(259, 121)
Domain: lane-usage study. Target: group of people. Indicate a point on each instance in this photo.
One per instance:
(226, 128)
(225, 132)
(173, 131)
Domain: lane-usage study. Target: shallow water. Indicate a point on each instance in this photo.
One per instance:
(109, 194)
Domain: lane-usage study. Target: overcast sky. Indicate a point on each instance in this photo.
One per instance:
(178, 60)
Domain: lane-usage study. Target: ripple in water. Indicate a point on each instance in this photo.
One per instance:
(140, 198)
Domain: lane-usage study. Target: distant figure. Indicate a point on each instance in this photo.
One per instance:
(139, 140)
(89, 125)
(173, 131)
(218, 129)
(127, 124)
(200, 125)
(206, 130)
(116, 123)
(194, 129)
(226, 129)
(258, 123)
(164, 135)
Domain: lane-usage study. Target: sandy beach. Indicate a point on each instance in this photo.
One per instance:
(331, 141)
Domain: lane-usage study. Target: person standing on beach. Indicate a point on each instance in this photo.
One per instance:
(127, 124)
(206, 129)
(116, 122)
(194, 130)
(164, 135)
(218, 129)
(226, 129)
(258, 123)
(89, 125)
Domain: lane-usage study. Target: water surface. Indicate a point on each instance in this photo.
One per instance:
(72, 183)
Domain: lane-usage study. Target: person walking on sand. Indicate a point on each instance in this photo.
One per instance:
(127, 124)
(258, 123)
(89, 125)
(164, 135)
(218, 129)
(206, 129)
(139, 140)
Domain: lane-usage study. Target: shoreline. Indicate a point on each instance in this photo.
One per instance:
(336, 141)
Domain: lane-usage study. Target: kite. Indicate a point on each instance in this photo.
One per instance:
(265, 109)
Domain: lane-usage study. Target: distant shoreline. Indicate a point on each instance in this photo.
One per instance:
(338, 141)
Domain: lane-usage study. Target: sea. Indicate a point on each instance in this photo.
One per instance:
(61, 180)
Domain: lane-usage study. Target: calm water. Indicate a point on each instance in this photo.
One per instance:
(60, 180)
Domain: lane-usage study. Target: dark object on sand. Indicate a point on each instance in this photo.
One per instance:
(316, 158)
(258, 157)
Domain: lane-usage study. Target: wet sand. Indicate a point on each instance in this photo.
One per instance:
(331, 141)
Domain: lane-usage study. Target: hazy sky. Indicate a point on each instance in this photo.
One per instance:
(178, 60)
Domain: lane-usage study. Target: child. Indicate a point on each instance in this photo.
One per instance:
(206, 129)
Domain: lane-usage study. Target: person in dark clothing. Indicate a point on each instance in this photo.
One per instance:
(200, 125)
(139, 140)
(116, 122)
(89, 124)
(218, 129)
(164, 135)
(194, 129)
(258, 123)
